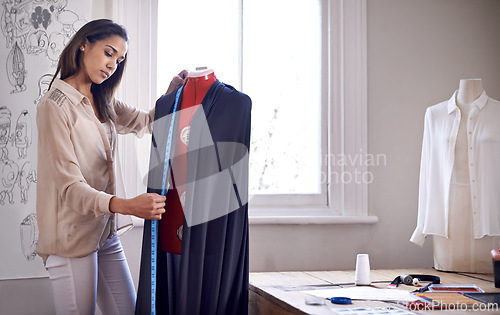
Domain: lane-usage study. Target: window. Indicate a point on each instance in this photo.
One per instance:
(273, 57)
(282, 73)
(303, 63)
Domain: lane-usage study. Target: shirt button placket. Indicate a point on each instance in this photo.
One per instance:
(472, 172)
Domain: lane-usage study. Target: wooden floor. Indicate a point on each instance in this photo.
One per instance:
(279, 293)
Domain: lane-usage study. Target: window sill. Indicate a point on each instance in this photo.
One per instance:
(297, 219)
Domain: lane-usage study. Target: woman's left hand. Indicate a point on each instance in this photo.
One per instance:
(177, 81)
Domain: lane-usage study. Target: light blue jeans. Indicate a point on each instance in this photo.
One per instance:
(102, 276)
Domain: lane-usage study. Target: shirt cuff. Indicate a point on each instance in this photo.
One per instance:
(102, 203)
(417, 237)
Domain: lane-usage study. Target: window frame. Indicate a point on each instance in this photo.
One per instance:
(345, 102)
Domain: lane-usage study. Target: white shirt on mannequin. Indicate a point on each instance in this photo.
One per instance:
(441, 126)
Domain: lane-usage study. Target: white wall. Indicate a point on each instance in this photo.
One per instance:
(417, 53)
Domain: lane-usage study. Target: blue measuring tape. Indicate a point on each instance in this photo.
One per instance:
(164, 189)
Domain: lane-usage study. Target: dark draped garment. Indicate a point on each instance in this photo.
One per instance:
(210, 276)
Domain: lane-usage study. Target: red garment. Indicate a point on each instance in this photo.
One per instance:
(170, 227)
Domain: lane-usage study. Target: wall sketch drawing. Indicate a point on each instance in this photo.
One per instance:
(23, 134)
(15, 69)
(38, 41)
(10, 175)
(41, 17)
(22, 139)
(9, 170)
(43, 86)
(67, 18)
(29, 236)
(57, 41)
(33, 34)
(16, 21)
(37, 27)
(5, 115)
(26, 176)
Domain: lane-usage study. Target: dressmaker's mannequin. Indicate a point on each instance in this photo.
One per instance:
(461, 251)
(210, 275)
(171, 225)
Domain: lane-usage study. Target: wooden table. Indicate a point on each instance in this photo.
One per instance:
(279, 293)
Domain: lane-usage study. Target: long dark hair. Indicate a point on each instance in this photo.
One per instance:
(70, 62)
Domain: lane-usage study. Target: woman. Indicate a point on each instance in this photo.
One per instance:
(78, 119)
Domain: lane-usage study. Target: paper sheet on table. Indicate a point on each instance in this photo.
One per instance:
(364, 293)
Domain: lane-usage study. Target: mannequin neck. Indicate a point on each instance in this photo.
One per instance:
(199, 73)
(469, 90)
(197, 85)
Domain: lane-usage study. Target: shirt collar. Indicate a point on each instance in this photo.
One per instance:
(479, 103)
(74, 96)
(481, 100)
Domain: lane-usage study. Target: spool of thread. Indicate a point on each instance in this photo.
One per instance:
(362, 275)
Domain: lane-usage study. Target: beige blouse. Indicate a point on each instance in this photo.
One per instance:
(76, 178)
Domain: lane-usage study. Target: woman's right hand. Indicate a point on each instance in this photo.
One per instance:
(147, 206)
(177, 81)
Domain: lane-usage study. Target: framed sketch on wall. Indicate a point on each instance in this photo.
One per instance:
(33, 34)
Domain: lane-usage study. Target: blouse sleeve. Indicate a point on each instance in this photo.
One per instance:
(418, 236)
(129, 119)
